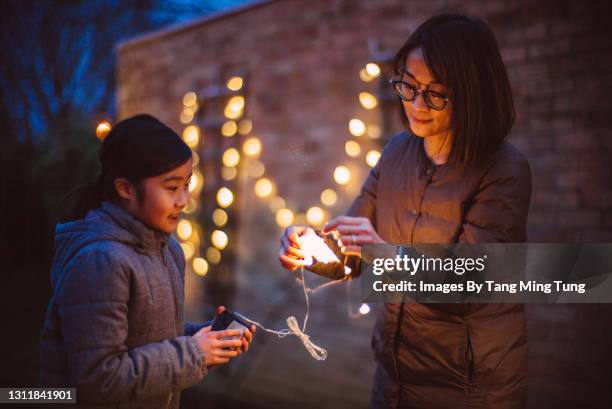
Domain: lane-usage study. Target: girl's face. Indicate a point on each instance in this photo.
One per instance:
(424, 121)
(163, 198)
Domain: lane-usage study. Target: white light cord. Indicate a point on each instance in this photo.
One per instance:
(318, 353)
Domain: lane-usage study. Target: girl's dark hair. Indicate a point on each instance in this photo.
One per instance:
(136, 148)
(461, 52)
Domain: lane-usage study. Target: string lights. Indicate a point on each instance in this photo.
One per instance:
(189, 231)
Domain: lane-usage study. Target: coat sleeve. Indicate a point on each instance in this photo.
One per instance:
(192, 328)
(499, 209)
(93, 308)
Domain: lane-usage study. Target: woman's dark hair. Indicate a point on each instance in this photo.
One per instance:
(461, 52)
(136, 148)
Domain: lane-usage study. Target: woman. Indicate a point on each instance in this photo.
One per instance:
(114, 327)
(450, 178)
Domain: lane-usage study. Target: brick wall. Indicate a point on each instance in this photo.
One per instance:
(303, 60)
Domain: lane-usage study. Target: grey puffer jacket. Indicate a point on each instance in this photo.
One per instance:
(114, 326)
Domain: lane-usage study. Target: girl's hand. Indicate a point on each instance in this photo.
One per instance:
(353, 232)
(213, 345)
(246, 338)
(290, 255)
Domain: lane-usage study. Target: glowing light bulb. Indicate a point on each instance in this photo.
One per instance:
(229, 128)
(364, 309)
(200, 266)
(367, 100)
(284, 217)
(190, 98)
(263, 187)
(372, 158)
(252, 146)
(219, 239)
(219, 217)
(356, 127)
(342, 175)
(191, 136)
(315, 216)
(245, 126)
(352, 148)
(213, 255)
(103, 129)
(225, 197)
(184, 229)
(188, 249)
(329, 197)
(372, 69)
(235, 83)
(231, 157)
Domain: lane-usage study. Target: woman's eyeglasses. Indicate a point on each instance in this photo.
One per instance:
(408, 93)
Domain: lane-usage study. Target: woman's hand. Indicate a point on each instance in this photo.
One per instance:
(353, 232)
(290, 255)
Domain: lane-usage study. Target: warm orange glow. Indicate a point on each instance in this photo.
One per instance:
(225, 197)
(284, 217)
(264, 187)
(352, 148)
(342, 175)
(356, 127)
(191, 136)
(103, 129)
(235, 83)
(329, 197)
(200, 266)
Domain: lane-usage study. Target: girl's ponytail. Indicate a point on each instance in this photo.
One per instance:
(75, 204)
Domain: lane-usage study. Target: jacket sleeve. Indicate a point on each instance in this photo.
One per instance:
(93, 307)
(499, 209)
(192, 328)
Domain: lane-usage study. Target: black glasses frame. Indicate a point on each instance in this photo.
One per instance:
(426, 94)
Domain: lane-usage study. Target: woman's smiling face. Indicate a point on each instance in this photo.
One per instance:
(423, 120)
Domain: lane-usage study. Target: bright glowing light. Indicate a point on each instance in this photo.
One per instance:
(213, 255)
(231, 157)
(219, 239)
(225, 197)
(315, 216)
(228, 173)
(356, 127)
(372, 69)
(188, 249)
(186, 117)
(284, 217)
(365, 77)
(184, 229)
(229, 128)
(191, 136)
(372, 158)
(190, 98)
(245, 126)
(277, 203)
(342, 175)
(329, 197)
(252, 146)
(195, 182)
(234, 107)
(352, 148)
(196, 158)
(364, 309)
(367, 100)
(219, 217)
(191, 207)
(103, 129)
(263, 187)
(235, 83)
(200, 266)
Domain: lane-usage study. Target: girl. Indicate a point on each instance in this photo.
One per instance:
(449, 178)
(114, 326)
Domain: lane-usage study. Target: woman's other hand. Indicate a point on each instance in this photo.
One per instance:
(353, 232)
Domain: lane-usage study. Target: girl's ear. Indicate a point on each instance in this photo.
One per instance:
(124, 188)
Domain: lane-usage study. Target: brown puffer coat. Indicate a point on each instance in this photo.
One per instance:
(448, 355)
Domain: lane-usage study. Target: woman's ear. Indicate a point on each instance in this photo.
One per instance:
(124, 188)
